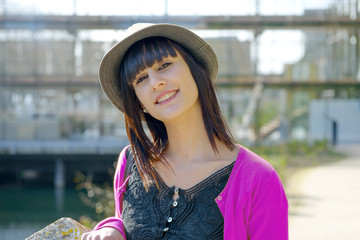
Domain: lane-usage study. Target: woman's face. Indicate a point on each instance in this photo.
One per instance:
(167, 89)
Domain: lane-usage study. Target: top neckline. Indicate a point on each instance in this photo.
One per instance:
(235, 162)
(213, 177)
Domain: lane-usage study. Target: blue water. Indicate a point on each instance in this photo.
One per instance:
(25, 210)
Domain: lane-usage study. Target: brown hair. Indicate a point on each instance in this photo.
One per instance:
(146, 152)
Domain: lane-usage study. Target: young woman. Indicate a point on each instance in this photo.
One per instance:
(184, 177)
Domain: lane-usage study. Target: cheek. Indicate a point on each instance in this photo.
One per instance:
(142, 97)
(194, 88)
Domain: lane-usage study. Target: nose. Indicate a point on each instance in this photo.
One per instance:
(157, 81)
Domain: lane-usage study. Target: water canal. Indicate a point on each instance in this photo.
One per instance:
(27, 209)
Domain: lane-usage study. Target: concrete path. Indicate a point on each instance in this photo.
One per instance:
(325, 200)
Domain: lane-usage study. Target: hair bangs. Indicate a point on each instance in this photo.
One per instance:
(144, 54)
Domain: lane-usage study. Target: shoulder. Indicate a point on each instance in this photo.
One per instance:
(123, 157)
(250, 162)
(121, 167)
(252, 171)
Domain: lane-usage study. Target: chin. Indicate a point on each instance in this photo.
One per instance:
(168, 116)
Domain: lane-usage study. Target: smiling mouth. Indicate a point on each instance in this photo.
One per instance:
(167, 97)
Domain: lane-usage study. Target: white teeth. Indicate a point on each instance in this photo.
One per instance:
(166, 97)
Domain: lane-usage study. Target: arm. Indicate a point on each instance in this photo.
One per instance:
(269, 211)
(112, 227)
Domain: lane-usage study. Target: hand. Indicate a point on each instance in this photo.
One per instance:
(106, 233)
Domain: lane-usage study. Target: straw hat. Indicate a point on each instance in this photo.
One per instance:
(110, 64)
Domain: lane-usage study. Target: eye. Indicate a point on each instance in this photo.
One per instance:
(165, 65)
(140, 79)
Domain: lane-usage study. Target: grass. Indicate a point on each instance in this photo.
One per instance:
(287, 158)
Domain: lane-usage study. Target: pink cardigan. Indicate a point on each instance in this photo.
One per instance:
(253, 203)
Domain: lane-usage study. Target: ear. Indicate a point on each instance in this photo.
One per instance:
(143, 108)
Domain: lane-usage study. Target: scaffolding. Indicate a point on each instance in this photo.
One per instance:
(49, 63)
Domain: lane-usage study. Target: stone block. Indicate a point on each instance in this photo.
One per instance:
(63, 229)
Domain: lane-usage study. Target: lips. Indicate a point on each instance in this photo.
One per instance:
(165, 96)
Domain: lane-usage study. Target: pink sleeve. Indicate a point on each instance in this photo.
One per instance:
(269, 211)
(119, 188)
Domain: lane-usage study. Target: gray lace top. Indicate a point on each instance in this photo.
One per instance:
(156, 215)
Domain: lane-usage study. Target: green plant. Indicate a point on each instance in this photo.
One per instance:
(296, 154)
(99, 197)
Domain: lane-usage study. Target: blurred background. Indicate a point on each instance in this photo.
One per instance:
(289, 80)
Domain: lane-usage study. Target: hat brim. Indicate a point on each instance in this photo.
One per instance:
(110, 64)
